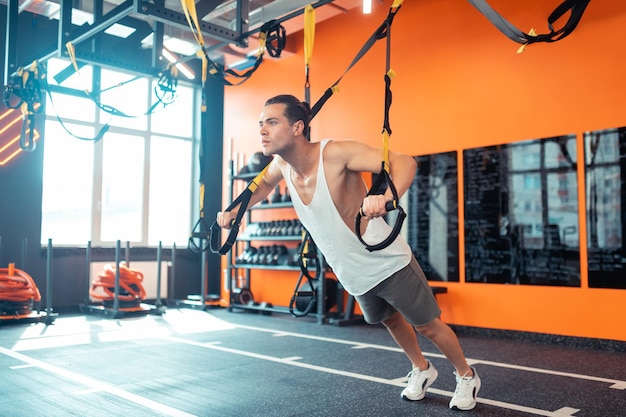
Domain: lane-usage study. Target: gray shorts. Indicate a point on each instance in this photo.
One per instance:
(406, 291)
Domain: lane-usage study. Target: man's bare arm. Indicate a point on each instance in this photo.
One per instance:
(267, 183)
(360, 157)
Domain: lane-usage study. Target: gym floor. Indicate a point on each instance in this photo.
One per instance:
(189, 362)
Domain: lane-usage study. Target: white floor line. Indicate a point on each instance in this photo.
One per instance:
(395, 382)
(96, 385)
(615, 383)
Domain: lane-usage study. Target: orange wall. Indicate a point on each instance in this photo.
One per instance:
(461, 84)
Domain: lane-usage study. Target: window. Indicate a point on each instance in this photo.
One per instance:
(134, 184)
(121, 198)
(67, 185)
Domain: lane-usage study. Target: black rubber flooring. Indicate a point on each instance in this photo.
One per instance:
(219, 363)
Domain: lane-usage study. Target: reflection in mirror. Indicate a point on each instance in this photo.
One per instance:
(432, 216)
(521, 213)
(605, 177)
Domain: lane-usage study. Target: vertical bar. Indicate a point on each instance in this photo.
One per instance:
(49, 280)
(622, 176)
(173, 276)
(158, 283)
(321, 291)
(203, 274)
(65, 27)
(243, 19)
(98, 12)
(24, 245)
(88, 272)
(234, 252)
(10, 63)
(127, 254)
(157, 44)
(116, 300)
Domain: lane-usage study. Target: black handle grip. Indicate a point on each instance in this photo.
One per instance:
(389, 206)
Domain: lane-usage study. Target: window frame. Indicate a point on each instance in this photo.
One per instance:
(98, 120)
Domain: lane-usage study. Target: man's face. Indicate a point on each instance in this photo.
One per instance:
(275, 131)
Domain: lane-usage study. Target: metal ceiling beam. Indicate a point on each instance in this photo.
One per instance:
(178, 19)
(66, 31)
(157, 43)
(238, 32)
(116, 63)
(65, 26)
(10, 50)
(104, 23)
(249, 32)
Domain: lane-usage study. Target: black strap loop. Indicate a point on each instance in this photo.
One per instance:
(378, 188)
(215, 235)
(276, 38)
(243, 200)
(308, 253)
(575, 7)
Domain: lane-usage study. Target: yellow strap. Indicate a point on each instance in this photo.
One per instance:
(391, 74)
(309, 32)
(262, 42)
(202, 200)
(254, 184)
(396, 4)
(305, 250)
(24, 109)
(25, 75)
(523, 47)
(386, 150)
(71, 51)
(173, 70)
(34, 68)
(189, 7)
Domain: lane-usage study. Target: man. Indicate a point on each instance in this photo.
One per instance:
(327, 191)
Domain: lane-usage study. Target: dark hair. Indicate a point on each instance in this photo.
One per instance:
(294, 110)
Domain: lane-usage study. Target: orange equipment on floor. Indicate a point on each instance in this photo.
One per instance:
(131, 290)
(18, 292)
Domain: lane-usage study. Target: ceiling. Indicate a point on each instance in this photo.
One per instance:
(141, 24)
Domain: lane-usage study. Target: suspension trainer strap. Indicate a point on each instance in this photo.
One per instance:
(242, 201)
(383, 180)
(23, 92)
(575, 7)
(308, 256)
(244, 198)
(309, 37)
(380, 33)
(272, 38)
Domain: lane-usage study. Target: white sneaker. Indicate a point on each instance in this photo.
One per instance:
(418, 382)
(467, 387)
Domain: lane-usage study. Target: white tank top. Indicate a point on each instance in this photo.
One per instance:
(357, 269)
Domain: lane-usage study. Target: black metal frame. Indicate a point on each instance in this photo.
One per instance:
(154, 10)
